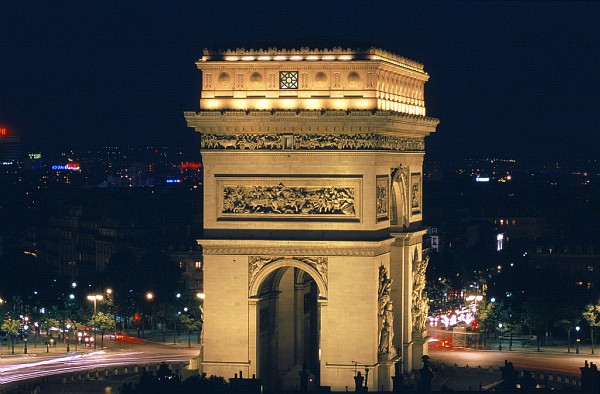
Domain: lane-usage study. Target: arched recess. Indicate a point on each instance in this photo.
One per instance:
(399, 201)
(266, 270)
(286, 296)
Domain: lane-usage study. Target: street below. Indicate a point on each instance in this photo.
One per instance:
(37, 363)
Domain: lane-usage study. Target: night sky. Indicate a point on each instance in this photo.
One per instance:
(509, 79)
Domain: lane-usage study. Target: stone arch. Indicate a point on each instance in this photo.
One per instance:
(266, 270)
(286, 297)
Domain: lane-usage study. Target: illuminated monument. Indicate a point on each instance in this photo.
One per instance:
(312, 210)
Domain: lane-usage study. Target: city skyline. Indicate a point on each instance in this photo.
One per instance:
(512, 79)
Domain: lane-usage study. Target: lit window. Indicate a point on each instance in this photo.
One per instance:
(288, 80)
(198, 265)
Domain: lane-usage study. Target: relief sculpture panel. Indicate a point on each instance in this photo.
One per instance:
(415, 193)
(382, 194)
(296, 198)
(312, 142)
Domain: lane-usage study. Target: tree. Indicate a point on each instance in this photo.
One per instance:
(538, 314)
(103, 322)
(12, 327)
(567, 326)
(485, 315)
(75, 326)
(591, 314)
(122, 275)
(189, 324)
(48, 324)
(567, 316)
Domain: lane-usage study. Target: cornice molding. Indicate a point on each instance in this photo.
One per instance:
(308, 54)
(311, 122)
(295, 248)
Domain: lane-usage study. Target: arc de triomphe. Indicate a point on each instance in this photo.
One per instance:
(312, 214)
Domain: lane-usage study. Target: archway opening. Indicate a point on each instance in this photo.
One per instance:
(288, 325)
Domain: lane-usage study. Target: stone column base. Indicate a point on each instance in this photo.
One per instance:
(385, 370)
(420, 347)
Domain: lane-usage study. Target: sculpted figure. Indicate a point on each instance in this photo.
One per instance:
(420, 304)
(386, 313)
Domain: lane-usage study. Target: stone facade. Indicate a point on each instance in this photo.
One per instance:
(312, 211)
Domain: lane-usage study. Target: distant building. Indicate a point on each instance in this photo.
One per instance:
(522, 227)
(10, 145)
(573, 267)
(79, 238)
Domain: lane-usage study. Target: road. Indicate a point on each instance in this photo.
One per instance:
(554, 360)
(118, 353)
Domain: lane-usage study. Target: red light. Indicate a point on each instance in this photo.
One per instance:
(3, 131)
(190, 165)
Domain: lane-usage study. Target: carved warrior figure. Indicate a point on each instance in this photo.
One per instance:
(420, 302)
(386, 314)
(286, 200)
(382, 200)
(415, 196)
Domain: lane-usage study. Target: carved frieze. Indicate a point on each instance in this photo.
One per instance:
(257, 263)
(312, 142)
(286, 200)
(289, 198)
(346, 251)
(242, 141)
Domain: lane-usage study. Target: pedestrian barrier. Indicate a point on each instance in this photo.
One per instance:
(545, 378)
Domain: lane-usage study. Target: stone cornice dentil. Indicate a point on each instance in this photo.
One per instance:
(295, 248)
(308, 121)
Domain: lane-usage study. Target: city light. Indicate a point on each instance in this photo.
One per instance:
(67, 167)
(94, 298)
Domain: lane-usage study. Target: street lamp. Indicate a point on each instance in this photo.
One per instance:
(35, 333)
(149, 297)
(200, 297)
(94, 298)
(577, 340)
(500, 330)
(68, 337)
(25, 333)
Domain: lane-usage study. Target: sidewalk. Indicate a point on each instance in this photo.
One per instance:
(557, 347)
(182, 340)
(38, 347)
